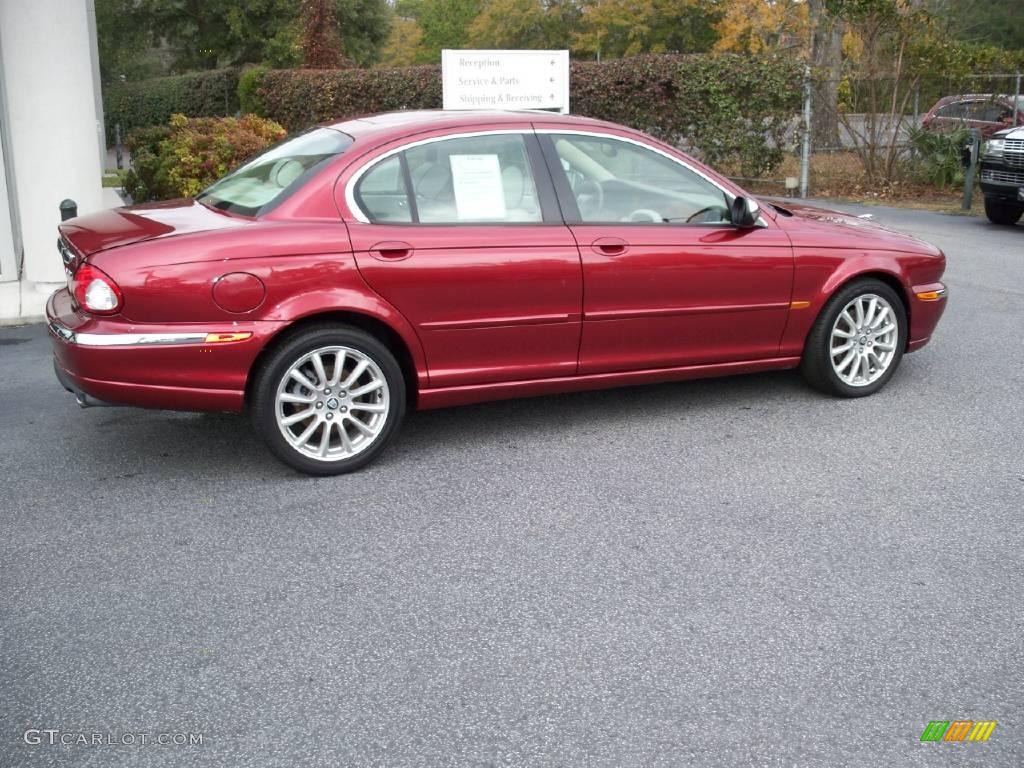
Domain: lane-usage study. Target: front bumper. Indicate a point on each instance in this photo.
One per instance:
(173, 367)
(1002, 182)
(927, 303)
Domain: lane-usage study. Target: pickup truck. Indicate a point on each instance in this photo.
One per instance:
(1002, 176)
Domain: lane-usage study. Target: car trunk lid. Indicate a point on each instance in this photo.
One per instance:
(85, 235)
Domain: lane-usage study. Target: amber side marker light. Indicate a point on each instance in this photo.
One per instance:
(799, 304)
(218, 338)
(931, 295)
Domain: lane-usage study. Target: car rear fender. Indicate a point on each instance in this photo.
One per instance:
(354, 306)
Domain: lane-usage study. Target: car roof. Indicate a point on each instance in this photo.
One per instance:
(389, 125)
(973, 97)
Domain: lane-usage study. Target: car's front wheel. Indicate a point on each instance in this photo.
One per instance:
(328, 400)
(1002, 213)
(857, 341)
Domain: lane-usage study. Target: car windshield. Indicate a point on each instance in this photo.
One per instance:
(271, 176)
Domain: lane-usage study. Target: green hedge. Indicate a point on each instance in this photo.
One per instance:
(726, 108)
(144, 103)
(297, 98)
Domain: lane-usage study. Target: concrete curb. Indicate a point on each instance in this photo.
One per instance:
(11, 322)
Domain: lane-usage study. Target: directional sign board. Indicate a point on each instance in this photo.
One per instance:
(505, 79)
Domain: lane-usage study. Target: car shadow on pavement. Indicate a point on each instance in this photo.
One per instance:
(207, 444)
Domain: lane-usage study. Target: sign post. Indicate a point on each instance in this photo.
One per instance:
(505, 79)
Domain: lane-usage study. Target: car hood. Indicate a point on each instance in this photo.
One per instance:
(132, 224)
(818, 222)
(1009, 133)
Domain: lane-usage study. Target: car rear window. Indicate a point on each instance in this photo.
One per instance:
(269, 177)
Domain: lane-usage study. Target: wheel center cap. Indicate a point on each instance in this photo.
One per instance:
(863, 340)
(332, 403)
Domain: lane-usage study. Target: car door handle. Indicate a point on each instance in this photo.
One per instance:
(609, 246)
(391, 250)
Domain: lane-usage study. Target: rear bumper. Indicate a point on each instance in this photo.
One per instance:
(151, 366)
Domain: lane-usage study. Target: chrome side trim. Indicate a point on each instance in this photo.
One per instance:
(69, 336)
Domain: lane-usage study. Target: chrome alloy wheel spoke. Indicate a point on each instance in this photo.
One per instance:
(863, 340)
(332, 403)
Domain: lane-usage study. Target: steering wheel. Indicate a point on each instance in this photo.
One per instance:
(644, 214)
(591, 189)
(702, 211)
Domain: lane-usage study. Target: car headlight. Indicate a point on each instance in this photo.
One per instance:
(994, 147)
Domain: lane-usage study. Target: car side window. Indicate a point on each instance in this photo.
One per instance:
(617, 181)
(473, 179)
(995, 112)
(381, 193)
(956, 111)
(975, 110)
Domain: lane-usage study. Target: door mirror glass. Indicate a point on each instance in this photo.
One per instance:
(744, 212)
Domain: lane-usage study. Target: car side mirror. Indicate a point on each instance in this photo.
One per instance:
(744, 212)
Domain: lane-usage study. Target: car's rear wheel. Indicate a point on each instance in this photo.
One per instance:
(328, 400)
(857, 341)
(1002, 213)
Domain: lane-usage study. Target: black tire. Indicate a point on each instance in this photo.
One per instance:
(1004, 213)
(817, 365)
(263, 405)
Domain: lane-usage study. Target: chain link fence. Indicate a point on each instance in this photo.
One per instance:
(862, 134)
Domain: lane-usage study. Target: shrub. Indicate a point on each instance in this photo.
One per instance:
(725, 107)
(142, 103)
(938, 157)
(145, 179)
(249, 81)
(191, 153)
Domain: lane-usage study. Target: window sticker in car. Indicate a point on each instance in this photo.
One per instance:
(477, 182)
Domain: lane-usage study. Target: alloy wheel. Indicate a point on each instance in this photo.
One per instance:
(332, 403)
(863, 340)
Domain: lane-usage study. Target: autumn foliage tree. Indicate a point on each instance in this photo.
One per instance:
(321, 41)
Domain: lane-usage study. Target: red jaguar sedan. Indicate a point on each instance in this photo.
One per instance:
(427, 259)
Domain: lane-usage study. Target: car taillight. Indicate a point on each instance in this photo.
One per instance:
(95, 291)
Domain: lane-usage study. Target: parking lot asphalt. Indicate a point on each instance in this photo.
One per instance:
(733, 572)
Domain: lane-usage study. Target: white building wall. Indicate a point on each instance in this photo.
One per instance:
(52, 125)
(8, 259)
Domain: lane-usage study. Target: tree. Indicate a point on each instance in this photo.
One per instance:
(994, 22)
(321, 43)
(614, 28)
(124, 42)
(897, 43)
(404, 46)
(525, 24)
(366, 27)
(204, 34)
(826, 54)
(759, 26)
(445, 24)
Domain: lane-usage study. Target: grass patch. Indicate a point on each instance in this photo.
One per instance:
(114, 178)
